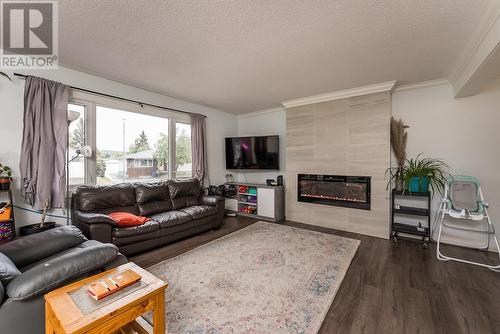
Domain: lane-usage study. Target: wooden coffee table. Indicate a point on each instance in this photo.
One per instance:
(62, 315)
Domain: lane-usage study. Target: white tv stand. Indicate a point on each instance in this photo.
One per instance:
(262, 201)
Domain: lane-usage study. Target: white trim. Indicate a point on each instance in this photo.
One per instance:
(482, 43)
(422, 84)
(260, 112)
(341, 94)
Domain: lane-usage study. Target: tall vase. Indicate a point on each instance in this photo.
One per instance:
(399, 180)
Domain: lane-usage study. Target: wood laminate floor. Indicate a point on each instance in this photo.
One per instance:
(392, 288)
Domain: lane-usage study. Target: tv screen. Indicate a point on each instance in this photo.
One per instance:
(253, 153)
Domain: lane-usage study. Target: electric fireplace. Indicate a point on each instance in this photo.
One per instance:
(337, 190)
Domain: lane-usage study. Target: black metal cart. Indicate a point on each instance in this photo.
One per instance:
(397, 210)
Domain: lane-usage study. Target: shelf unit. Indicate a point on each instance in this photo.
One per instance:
(257, 201)
(8, 226)
(398, 212)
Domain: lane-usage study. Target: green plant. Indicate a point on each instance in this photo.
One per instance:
(435, 170)
(5, 172)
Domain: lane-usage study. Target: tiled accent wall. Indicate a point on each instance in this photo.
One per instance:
(346, 137)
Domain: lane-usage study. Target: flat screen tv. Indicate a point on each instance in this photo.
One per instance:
(260, 152)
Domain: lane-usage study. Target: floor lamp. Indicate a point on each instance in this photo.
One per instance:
(85, 151)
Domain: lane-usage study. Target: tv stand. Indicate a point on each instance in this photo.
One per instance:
(258, 201)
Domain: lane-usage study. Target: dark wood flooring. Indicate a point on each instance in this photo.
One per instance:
(392, 288)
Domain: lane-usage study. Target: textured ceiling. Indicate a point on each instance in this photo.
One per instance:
(243, 56)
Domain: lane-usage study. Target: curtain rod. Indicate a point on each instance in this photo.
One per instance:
(141, 104)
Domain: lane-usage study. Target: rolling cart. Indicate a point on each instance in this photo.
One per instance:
(411, 219)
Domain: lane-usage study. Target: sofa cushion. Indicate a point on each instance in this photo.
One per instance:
(152, 198)
(172, 218)
(135, 238)
(200, 211)
(31, 248)
(93, 218)
(173, 229)
(102, 199)
(85, 244)
(55, 272)
(8, 269)
(147, 227)
(184, 193)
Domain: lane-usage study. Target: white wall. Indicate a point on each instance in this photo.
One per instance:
(219, 124)
(269, 122)
(464, 132)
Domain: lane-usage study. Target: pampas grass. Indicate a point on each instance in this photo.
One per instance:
(399, 137)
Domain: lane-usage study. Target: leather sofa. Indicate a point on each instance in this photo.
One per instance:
(33, 265)
(177, 209)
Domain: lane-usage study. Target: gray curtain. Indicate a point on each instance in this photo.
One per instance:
(45, 139)
(199, 149)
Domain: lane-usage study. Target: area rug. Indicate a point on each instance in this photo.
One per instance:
(263, 279)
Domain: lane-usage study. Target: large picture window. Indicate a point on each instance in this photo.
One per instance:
(129, 143)
(130, 147)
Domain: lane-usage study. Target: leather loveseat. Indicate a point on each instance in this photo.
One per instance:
(177, 210)
(33, 265)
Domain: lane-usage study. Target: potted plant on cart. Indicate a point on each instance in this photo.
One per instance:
(422, 174)
(5, 177)
(39, 227)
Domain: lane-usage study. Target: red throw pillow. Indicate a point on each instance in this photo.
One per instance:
(126, 219)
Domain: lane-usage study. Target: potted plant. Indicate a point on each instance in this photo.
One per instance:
(39, 227)
(420, 174)
(229, 178)
(5, 177)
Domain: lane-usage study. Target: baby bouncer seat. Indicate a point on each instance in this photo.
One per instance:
(464, 203)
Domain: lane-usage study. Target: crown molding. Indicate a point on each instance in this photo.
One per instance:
(260, 112)
(472, 69)
(422, 84)
(341, 94)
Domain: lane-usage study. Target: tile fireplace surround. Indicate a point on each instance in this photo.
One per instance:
(348, 137)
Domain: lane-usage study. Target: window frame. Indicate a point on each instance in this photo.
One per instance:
(92, 101)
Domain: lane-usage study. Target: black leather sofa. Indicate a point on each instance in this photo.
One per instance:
(33, 265)
(177, 209)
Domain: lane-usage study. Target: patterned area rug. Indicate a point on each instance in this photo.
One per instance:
(263, 279)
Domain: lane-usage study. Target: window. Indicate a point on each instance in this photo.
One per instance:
(76, 140)
(129, 143)
(183, 156)
(130, 147)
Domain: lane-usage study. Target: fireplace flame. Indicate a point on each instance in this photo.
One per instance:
(335, 198)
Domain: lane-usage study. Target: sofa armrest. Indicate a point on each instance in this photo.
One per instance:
(93, 218)
(218, 202)
(31, 248)
(57, 271)
(211, 200)
(96, 231)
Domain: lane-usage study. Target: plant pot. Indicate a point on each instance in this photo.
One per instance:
(418, 184)
(35, 228)
(4, 185)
